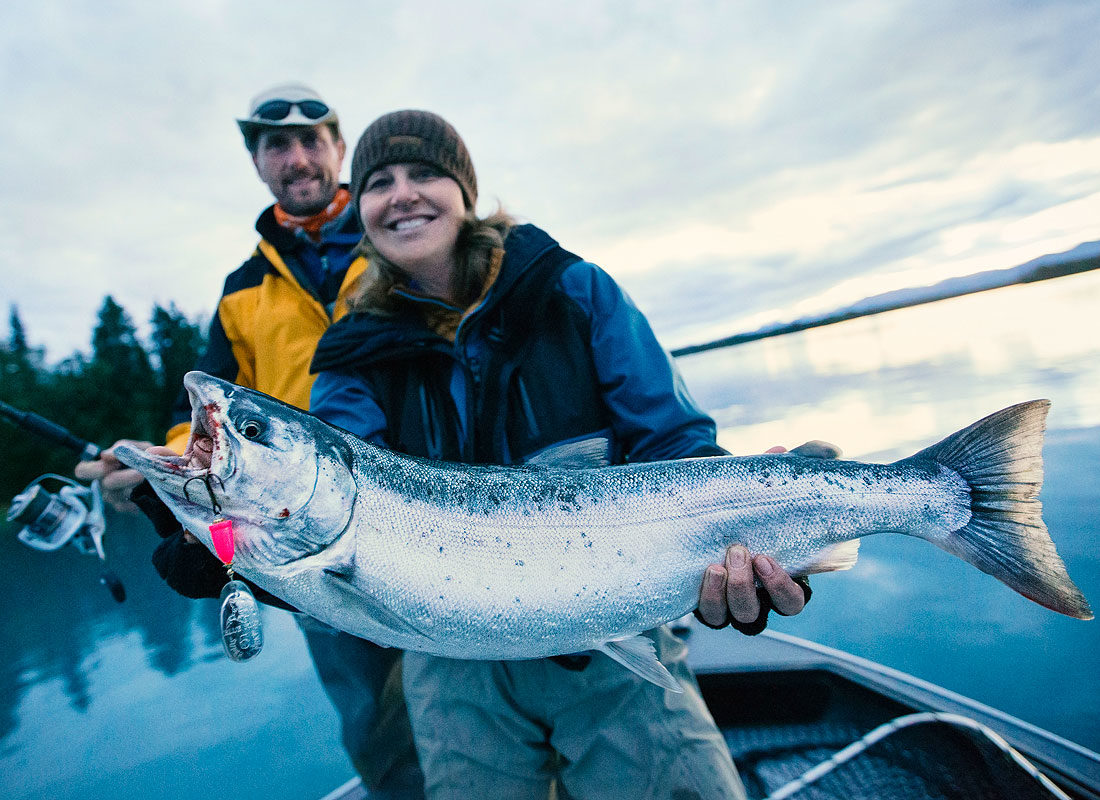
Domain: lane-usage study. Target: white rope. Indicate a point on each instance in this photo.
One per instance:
(881, 732)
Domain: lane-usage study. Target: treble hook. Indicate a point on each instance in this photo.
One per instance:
(206, 482)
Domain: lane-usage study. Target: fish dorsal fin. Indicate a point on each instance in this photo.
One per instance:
(638, 655)
(839, 556)
(594, 452)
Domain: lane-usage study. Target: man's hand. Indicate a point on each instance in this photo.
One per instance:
(115, 478)
(730, 594)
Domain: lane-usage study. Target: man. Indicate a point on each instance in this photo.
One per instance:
(272, 312)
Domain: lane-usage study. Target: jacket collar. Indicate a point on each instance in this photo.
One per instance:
(360, 338)
(344, 229)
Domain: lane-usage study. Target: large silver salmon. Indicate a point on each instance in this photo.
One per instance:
(490, 562)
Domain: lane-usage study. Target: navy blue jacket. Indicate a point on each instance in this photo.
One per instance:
(555, 352)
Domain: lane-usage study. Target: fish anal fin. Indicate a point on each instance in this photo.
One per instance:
(837, 557)
(638, 655)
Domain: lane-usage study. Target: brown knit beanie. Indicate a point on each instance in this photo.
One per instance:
(412, 136)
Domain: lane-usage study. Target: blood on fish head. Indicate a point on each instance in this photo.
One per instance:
(280, 475)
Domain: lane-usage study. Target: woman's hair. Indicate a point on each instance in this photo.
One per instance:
(477, 239)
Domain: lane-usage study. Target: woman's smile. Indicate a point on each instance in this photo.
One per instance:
(412, 214)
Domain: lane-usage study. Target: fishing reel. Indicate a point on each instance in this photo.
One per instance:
(71, 515)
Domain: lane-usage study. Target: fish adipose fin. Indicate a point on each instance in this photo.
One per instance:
(638, 655)
(1001, 458)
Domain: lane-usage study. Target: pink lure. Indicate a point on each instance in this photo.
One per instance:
(222, 532)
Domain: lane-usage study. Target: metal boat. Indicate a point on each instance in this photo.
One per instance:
(808, 722)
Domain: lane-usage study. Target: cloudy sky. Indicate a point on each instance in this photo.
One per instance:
(729, 162)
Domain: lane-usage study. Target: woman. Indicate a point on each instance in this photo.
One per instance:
(483, 341)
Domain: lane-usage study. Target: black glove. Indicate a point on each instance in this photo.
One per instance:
(164, 523)
(187, 566)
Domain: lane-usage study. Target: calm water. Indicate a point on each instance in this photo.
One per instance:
(101, 700)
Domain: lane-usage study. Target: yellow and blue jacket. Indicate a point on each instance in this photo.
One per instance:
(274, 309)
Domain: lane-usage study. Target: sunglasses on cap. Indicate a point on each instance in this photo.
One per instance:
(274, 110)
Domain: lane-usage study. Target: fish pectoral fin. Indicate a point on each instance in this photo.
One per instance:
(373, 607)
(344, 567)
(638, 655)
(839, 556)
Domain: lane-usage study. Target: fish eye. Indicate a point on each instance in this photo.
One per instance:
(252, 429)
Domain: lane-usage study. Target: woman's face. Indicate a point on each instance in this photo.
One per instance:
(412, 213)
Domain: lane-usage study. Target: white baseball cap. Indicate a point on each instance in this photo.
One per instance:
(286, 104)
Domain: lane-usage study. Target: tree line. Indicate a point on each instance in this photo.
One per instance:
(124, 389)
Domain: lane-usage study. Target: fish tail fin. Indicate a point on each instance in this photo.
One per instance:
(1001, 458)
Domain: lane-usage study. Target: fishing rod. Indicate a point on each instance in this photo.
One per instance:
(71, 515)
(51, 431)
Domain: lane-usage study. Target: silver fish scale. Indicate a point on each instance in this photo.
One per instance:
(485, 560)
(497, 562)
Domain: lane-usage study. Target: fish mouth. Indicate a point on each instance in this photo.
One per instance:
(207, 452)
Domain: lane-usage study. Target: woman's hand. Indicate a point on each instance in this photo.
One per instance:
(730, 595)
(745, 587)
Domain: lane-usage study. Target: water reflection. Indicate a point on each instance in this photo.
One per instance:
(885, 386)
(136, 700)
(888, 383)
(57, 613)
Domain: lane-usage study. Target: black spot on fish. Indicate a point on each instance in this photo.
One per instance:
(441, 548)
(519, 563)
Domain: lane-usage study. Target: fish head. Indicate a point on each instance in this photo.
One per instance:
(283, 477)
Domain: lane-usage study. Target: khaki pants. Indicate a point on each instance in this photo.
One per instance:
(514, 729)
(363, 681)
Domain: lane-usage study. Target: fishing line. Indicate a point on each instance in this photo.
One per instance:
(242, 631)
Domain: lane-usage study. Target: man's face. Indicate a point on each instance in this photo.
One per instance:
(301, 167)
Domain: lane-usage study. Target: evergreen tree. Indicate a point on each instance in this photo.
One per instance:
(177, 343)
(117, 390)
(26, 386)
(122, 390)
(20, 362)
